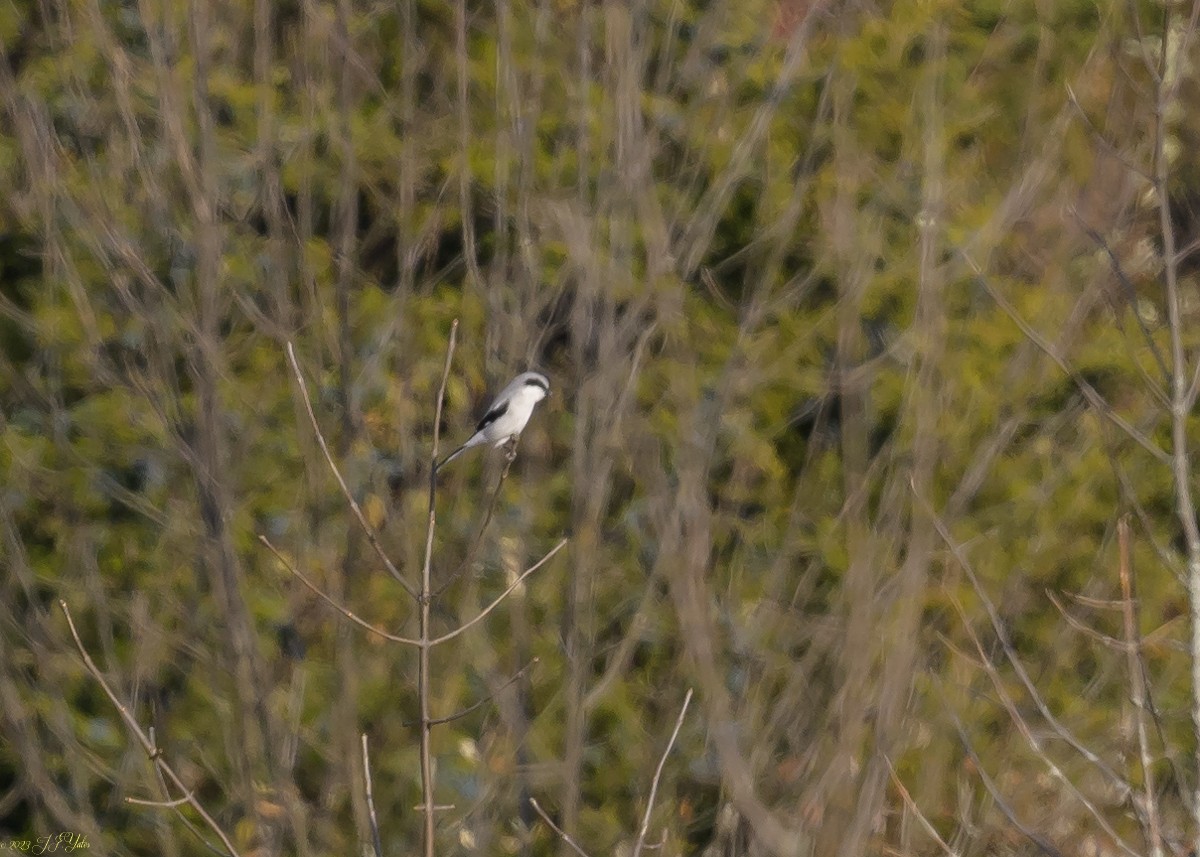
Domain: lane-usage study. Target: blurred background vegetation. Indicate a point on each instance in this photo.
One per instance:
(866, 322)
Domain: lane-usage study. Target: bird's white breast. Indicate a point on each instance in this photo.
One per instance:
(521, 406)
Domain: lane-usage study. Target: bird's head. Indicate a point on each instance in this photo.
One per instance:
(535, 384)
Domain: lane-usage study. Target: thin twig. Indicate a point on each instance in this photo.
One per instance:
(637, 848)
(395, 638)
(1042, 843)
(1101, 638)
(487, 519)
(1089, 392)
(1137, 685)
(1035, 743)
(354, 507)
(438, 721)
(1098, 135)
(1130, 295)
(424, 600)
(436, 641)
(161, 804)
(1011, 655)
(916, 811)
(1182, 395)
(566, 837)
(375, 840)
(187, 822)
(152, 751)
(619, 660)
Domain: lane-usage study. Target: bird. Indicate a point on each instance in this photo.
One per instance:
(508, 413)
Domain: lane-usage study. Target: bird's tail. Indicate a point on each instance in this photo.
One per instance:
(449, 458)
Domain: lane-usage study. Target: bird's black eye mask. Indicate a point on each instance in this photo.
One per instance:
(537, 382)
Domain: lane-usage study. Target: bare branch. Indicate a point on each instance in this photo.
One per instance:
(354, 507)
(561, 833)
(162, 804)
(1130, 293)
(487, 519)
(1010, 655)
(438, 721)
(916, 811)
(450, 636)
(425, 645)
(637, 848)
(1035, 743)
(1091, 633)
(375, 841)
(1089, 392)
(187, 822)
(1182, 395)
(152, 751)
(328, 600)
(1044, 845)
(1104, 142)
(396, 638)
(1137, 686)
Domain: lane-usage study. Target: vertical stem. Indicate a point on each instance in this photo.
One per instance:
(268, 163)
(424, 599)
(376, 843)
(344, 724)
(859, 590)
(1137, 685)
(423, 695)
(347, 208)
(924, 411)
(575, 722)
(1180, 401)
(211, 441)
(583, 127)
(503, 326)
(406, 229)
(475, 278)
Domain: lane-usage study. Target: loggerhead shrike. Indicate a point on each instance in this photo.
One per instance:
(508, 414)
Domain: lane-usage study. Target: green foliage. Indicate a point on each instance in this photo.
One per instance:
(772, 357)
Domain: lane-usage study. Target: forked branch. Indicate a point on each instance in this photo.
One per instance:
(151, 748)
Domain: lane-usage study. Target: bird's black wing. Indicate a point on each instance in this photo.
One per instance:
(491, 416)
